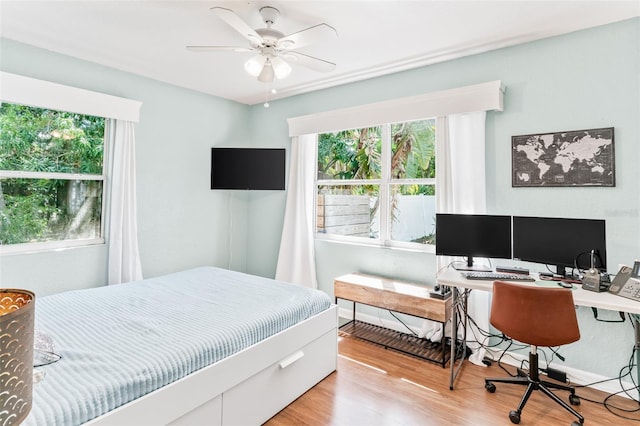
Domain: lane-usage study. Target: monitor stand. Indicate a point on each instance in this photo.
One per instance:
(459, 266)
(561, 271)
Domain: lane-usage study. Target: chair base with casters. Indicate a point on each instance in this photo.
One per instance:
(536, 316)
(533, 383)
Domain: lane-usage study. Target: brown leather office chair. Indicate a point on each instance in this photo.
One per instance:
(538, 316)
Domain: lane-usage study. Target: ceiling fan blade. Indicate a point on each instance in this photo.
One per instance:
(219, 49)
(237, 24)
(309, 61)
(317, 33)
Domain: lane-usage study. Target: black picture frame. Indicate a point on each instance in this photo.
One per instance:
(574, 158)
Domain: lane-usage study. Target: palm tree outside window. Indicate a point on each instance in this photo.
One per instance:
(377, 184)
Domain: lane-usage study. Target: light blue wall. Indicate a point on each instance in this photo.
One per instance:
(582, 80)
(182, 223)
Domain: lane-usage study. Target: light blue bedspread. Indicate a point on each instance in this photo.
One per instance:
(121, 342)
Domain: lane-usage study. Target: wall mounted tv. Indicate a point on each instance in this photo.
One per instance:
(248, 168)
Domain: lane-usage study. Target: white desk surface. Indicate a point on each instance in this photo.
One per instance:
(604, 300)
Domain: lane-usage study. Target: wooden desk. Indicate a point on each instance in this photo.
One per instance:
(603, 300)
(397, 296)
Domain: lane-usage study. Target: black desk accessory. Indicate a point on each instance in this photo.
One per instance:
(440, 292)
(512, 270)
(493, 276)
(592, 279)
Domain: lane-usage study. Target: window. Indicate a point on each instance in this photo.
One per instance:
(51, 178)
(378, 184)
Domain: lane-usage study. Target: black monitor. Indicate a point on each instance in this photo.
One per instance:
(560, 242)
(473, 235)
(248, 168)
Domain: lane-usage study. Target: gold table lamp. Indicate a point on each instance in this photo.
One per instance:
(17, 309)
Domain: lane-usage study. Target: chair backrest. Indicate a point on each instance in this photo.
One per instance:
(539, 316)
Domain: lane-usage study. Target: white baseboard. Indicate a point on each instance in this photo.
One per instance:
(575, 376)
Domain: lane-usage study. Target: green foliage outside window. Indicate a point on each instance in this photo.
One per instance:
(356, 154)
(413, 148)
(350, 154)
(46, 141)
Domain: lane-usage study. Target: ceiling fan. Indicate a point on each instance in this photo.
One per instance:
(274, 49)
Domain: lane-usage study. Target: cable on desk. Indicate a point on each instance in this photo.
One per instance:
(447, 266)
(486, 334)
(595, 315)
(403, 323)
(482, 335)
(626, 371)
(555, 353)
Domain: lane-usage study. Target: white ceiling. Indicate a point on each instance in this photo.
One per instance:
(374, 37)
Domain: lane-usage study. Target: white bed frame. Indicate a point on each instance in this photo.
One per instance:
(247, 388)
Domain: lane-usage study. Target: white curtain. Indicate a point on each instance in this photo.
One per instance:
(124, 256)
(296, 260)
(461, 188)
(460, 152)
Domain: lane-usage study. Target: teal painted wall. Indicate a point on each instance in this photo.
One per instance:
(582, 80)
(182, 223)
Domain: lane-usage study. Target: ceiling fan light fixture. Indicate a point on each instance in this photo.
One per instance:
(267, 75)
(273, 48)
(255, 65)
(280, 68)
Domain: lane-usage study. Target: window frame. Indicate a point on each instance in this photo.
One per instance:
(384, 194)
(22, 90)
(60, 244)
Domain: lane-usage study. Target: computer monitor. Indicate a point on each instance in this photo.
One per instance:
(560, 242)
(473, 235)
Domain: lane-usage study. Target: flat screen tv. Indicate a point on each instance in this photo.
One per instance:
(248, 168)
(471, 235)
(561, 242)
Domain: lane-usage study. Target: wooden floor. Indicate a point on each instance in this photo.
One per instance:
(375, 386)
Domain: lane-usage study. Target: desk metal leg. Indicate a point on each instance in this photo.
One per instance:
(636, 327)
(454, 333)
(457, 299)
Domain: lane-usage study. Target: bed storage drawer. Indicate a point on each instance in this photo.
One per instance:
(252, 401)
(209, 413)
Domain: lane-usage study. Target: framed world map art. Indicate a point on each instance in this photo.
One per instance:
(572, 158)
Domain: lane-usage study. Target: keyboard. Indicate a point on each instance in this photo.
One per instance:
(493, 276)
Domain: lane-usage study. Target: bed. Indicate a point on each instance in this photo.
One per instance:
(202, 346)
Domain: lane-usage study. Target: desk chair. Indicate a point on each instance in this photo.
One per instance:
(537, 316)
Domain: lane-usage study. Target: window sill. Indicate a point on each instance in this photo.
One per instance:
(51, 246)
(408, 247)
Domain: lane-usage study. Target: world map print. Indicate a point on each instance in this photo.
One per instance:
(573, 158)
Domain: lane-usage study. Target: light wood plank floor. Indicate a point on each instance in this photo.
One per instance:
(375, 386)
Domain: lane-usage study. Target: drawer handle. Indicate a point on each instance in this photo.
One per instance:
(291, 359)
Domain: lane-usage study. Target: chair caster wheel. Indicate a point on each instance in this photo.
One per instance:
(574, 400)
(490, 387)
(514, 416)
(576, 424)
